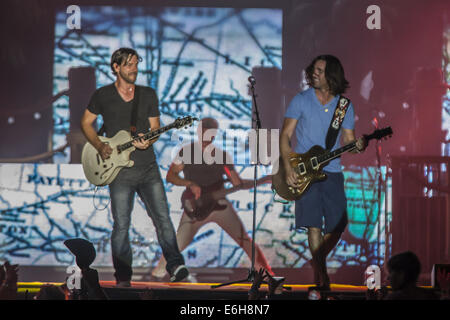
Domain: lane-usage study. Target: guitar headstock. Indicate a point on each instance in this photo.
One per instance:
(184, 122)
(380, 133)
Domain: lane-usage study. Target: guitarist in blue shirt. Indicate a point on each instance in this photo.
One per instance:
(322, 208)
(119, 104)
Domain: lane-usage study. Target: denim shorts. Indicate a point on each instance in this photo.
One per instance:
(323, 205)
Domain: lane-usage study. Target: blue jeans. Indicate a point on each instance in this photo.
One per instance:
(147, 183)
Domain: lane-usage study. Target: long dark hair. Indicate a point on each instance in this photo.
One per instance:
(121, 55)
(334, 73)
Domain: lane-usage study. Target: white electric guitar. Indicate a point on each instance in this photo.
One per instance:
(102, 172)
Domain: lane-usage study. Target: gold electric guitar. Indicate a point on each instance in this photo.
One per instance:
(102, 172)
(309, 165)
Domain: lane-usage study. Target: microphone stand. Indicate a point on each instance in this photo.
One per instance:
(379, 184)
(251, 272)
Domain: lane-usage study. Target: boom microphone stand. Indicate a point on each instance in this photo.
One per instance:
(251, 273)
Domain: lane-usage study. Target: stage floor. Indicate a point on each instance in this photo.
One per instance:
(295, 286)
(199, 291)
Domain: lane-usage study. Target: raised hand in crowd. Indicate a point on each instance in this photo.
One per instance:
(258, 279)
(8, 284)
(443, 279)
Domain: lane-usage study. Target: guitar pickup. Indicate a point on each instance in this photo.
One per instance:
(302, 168)
(314, 162)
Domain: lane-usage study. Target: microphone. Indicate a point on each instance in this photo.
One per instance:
(252, 80)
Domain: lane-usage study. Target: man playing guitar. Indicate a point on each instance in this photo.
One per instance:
(322, 209)
(197, 176)
(117, 103)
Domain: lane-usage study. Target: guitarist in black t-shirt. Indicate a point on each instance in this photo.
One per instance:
(198, 175)
(115, 102)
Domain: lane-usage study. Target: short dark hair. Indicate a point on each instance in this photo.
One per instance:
(334, 73)
(408, 263)
(209, 123)
(121, 55)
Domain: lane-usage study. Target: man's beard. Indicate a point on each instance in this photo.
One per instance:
(315, 83)
(320, 86)
(128, 78)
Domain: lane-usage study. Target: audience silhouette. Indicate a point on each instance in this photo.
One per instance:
(404, 270)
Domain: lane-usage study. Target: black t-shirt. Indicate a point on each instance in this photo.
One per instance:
(200, 171)
(116, 115)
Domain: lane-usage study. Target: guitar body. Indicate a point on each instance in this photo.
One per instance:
(307, 168)
(102, 172)
(209, 198)
(201, 208)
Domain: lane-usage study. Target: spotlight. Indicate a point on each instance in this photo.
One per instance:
(11, 120)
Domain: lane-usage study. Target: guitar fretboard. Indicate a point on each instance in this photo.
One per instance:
(377, 134)
(336, 153)
(148, 136)
(222, 193)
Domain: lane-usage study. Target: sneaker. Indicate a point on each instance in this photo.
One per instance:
(192, 279)
(153, 278)
(159, 274)
(180, 272)
(123, 284)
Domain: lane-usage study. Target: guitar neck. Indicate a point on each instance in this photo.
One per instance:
(224, 192)
(377, 134)
(148, 136)
(336, 153)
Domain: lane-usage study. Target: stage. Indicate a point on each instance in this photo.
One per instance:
(199, 291)
(295, 286)
(296, 283)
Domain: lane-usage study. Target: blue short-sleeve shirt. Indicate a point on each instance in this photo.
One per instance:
(313, 123)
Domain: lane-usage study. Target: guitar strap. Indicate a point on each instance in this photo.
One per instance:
(133, 115)
(134, 111)
(336, 121)
(101, 131)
